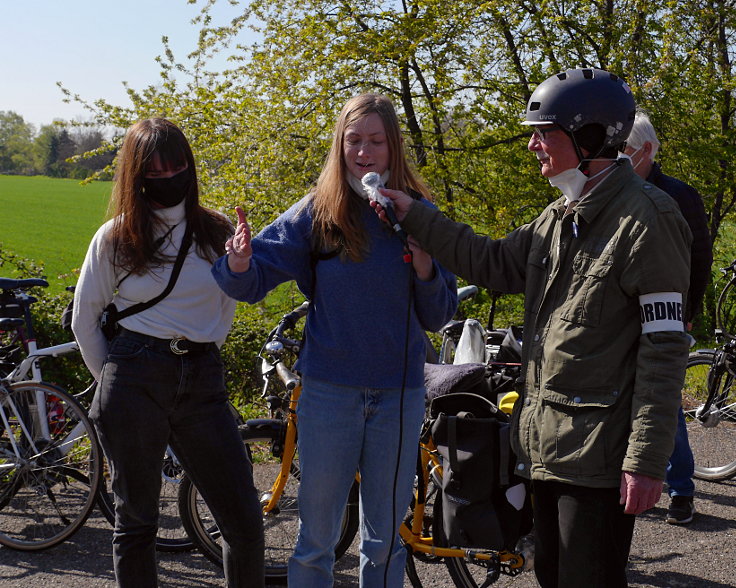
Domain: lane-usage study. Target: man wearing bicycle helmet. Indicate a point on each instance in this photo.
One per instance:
(605, 270)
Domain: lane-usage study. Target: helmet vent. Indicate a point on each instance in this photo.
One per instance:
(534, 106)
(562, 76)
(588, 74)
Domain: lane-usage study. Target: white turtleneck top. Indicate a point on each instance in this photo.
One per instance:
(195, 309)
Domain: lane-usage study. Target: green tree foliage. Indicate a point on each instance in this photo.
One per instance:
(15, 143)
(53, 151)
(459, 72)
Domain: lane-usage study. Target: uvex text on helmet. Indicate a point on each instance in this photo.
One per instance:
(578, 97)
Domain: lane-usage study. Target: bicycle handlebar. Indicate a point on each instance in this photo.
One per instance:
(289, 378)
(289, 320)
(11, 284)
(466, 292)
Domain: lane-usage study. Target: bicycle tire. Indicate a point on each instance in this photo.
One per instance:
(726, 310)
(48, 492)
(713, 440)
(280, 526)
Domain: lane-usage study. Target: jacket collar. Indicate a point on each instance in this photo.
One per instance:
(593, 202)
(655, 173)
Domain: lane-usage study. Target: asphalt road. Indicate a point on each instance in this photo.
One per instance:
(700, 555)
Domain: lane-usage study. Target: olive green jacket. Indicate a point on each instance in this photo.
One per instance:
(597, 396)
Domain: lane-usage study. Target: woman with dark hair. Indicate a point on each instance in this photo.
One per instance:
(362, 362)
(161, 377)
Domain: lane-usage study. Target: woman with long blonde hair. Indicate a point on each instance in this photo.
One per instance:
(362, 362)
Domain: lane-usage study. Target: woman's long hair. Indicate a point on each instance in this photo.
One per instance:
(337, 223)
(134, 228)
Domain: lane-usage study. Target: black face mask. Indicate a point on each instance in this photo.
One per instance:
(168, 192)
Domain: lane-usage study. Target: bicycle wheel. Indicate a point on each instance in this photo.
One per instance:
(726, 310)
(280, 526)
(50, 464)
(713, 438)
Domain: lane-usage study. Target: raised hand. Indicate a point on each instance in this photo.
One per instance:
(238, 247)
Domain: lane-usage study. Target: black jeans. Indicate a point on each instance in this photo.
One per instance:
(148, 398)
(582, 536)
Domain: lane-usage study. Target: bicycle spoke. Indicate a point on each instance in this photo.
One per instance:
(47, 485)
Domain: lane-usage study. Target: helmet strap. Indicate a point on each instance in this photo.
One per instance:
(584, 161)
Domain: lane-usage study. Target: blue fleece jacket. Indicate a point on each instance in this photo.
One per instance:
(356, 324)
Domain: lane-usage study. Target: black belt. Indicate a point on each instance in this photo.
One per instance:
(177, 346)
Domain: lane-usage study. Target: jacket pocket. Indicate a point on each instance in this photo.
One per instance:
(586, 297)
(579, 432)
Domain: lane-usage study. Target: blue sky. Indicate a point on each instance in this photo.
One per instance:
(91, 46)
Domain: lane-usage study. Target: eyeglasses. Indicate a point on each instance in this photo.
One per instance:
(540, 133)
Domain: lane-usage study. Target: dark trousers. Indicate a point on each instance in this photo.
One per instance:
(149, 398)
(582, 536)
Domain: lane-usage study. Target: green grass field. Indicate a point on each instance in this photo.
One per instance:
(51, 222)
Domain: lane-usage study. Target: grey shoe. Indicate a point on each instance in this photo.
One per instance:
(681, 510)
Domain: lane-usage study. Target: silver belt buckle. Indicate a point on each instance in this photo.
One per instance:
(174, 346)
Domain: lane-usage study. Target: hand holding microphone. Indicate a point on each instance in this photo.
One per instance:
(421, 261)
(371, 183)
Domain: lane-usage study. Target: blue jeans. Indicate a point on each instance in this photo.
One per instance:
(342, 430)
(682, 466)
(149, 398)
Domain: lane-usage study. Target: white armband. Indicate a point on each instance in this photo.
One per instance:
(661, 311)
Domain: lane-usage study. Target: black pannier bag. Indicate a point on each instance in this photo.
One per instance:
(484, 504)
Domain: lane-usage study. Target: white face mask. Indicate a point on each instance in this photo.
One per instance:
(570, 182)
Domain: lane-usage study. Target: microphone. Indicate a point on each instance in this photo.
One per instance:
(371, 183)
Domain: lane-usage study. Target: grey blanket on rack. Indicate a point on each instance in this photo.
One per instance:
(441, 379)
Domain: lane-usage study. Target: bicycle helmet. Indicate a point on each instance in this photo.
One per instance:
(578, 97)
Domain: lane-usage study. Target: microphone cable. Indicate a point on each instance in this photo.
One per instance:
(408, 258)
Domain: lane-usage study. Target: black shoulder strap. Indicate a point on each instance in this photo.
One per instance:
(186, 242)
(156, 244)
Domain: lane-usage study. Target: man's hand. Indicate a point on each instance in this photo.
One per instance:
(639, 492)
(238, 246)
(402, 203)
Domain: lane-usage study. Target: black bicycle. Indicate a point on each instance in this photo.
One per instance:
(709, 395)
